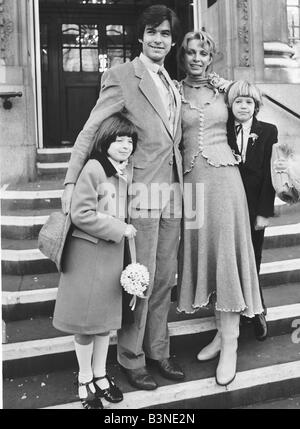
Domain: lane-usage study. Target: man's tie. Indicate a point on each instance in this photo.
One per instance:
(172, 102)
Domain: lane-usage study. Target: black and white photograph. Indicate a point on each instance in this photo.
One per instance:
(150, 207)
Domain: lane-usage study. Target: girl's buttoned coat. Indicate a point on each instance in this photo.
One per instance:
(89, 299)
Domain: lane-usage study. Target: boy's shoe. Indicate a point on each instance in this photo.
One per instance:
(260, 327)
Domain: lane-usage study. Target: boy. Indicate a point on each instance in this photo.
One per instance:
(253, 140)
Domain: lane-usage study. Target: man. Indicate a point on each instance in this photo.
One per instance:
(143, 91)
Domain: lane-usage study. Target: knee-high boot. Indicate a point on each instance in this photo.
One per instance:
(226, 370)
(212, 350)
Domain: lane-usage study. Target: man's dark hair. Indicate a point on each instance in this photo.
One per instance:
(114, 126)
(154, 16)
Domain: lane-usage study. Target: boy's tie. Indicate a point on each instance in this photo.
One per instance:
(238, 129)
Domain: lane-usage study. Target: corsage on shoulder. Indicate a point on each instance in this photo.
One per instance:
(218, 82)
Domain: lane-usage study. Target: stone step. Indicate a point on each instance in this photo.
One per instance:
(46, 193)
(290, 403)
(25, 224)
(54, 155)
(34, 294)
(35, 343)
(265, 371)
(28, 295)
(21, 257)
(52, 168)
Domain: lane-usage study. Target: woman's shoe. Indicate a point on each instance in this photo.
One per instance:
(211, 351)
(91, 402)
(112, 393)
(226, 369)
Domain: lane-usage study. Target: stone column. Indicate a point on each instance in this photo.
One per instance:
(279, 64)
(17, 125)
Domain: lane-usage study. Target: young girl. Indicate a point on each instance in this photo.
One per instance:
(253, 141)
(89, 299)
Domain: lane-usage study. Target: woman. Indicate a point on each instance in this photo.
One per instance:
(216, 262)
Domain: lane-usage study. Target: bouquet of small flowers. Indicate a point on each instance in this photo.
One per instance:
(135, 279)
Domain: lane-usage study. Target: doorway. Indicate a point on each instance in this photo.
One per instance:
(79, 40)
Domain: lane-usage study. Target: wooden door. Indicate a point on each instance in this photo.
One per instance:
(78, 42)
(88, 49)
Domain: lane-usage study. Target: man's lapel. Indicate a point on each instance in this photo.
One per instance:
(149, 89)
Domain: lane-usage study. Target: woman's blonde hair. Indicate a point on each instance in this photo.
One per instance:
(207, 43)
(243, 88)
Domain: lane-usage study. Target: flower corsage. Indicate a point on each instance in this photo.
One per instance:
(218, 82)
(135, 278)
(253, 137)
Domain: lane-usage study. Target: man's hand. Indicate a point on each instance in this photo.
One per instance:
(67, 198)
(261, 223)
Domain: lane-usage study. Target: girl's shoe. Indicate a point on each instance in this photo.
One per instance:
(112, 393)
(92, 401)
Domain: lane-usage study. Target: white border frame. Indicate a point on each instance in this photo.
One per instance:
(36, 70)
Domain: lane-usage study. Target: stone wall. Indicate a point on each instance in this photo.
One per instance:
(252, 40)
(17, 126)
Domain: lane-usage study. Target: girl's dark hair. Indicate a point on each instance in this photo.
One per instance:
(154, 16)
(114, 126)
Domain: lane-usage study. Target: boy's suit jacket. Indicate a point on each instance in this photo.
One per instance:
(129, 88)
(256, 171)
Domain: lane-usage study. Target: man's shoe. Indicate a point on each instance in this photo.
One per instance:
(260, 327)
(140, 378)
(169, 369)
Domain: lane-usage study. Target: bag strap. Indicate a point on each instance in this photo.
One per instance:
(132, 250)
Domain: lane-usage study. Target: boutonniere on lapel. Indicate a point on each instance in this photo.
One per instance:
(253, 138)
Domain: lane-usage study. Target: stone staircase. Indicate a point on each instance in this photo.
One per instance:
(39, 364)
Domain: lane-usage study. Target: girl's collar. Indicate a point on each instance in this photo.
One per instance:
(107, 165)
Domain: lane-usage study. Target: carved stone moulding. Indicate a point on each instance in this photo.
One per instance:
(6, 29)
(243, 32)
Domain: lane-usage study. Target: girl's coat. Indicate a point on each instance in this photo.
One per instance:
(89, 299)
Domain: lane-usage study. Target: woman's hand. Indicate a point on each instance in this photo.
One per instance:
(281, 165)
(130, 231)
(261, 223)
(67, 198)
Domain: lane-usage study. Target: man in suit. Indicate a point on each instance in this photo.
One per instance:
(252, 140)
(143, 91)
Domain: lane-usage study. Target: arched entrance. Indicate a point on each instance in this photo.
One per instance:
(79, 39)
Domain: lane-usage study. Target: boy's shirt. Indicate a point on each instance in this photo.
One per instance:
(256, 170)
(243, 132)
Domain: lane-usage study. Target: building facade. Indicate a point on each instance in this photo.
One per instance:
(53, 53)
